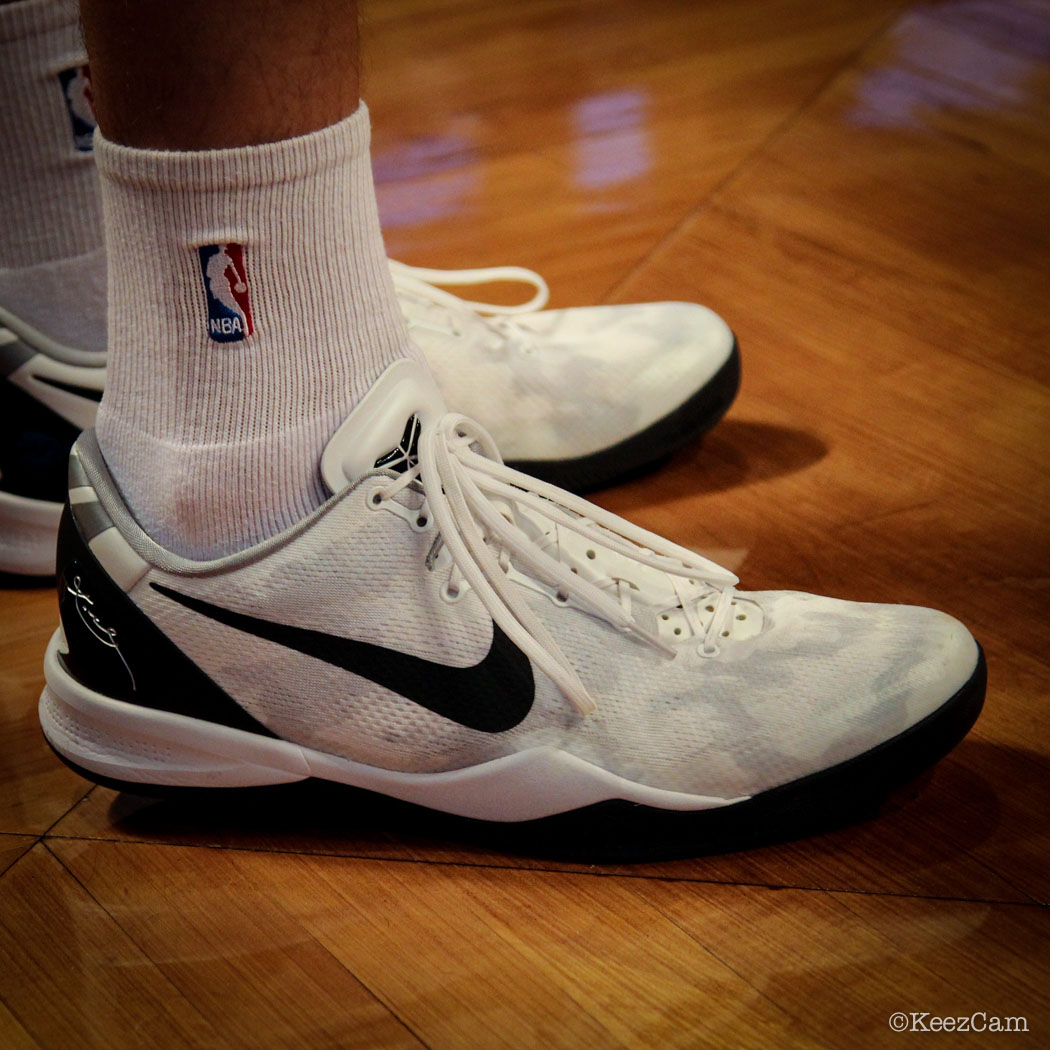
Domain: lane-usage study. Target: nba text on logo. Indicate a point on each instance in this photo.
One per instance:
(226, 288)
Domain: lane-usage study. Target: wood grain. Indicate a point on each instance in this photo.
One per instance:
(863, 191)
(12, 847)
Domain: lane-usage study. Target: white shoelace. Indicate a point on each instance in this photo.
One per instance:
(473, 498)
(417, 284)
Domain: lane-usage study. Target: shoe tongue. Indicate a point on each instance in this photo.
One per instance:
(384, 425)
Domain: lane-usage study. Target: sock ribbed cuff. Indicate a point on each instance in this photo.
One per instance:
(241, 167)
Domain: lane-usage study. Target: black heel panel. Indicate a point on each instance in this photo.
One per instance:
(114, 649)
(34, 446)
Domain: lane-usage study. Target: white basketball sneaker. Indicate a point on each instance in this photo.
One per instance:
(583, 397)
(454, 634)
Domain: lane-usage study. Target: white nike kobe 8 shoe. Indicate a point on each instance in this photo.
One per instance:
(582, 397)
(451, 633)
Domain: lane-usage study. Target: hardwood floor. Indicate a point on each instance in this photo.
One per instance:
(863, 190)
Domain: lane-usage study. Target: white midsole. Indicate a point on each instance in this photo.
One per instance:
(127, 742)
(28, 532)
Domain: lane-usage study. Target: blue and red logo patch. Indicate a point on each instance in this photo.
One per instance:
(76, 90)
(226, 288)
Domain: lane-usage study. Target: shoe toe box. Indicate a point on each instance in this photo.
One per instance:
(856, 675)
(598, 375)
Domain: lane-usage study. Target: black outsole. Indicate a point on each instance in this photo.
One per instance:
(16, 581)
(607, 832)
(648, 448)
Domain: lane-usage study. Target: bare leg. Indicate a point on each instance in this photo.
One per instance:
(203, 75)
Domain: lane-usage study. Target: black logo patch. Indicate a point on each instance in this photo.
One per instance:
(405, 455)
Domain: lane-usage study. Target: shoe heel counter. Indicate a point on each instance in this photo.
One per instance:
(112, 646)
(90, 608)
(34, 439)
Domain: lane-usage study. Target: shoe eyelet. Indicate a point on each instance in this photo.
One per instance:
(707, 652)
(561, 599)
(449, 595)
(375, 501)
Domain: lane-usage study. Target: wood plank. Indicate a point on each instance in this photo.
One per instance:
(842, 964)
(12, 847)
(569, 960)
(72, 978)
(468, 956)
(12, 1035)
(494, 142)
(202, 959)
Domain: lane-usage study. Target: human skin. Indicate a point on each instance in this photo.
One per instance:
(211, 74)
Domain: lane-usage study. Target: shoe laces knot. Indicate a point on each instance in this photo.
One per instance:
(479, 506)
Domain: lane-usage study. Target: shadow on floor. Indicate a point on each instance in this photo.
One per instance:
(734, 453)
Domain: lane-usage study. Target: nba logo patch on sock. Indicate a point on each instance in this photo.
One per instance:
(226, 287)
(76, 89)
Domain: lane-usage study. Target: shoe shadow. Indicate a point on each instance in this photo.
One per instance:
(12, 581)
(734, 453)
(987, 806)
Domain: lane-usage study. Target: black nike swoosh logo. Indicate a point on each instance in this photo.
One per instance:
(71, 388)
(492, 696)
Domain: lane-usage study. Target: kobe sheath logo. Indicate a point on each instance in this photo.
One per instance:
(76, 90)
(85, 608)
(226, 289)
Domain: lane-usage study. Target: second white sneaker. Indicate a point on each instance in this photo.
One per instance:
(582, 397)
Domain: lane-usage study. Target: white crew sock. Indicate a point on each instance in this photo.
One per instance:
(52, 264)
(250, 307)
